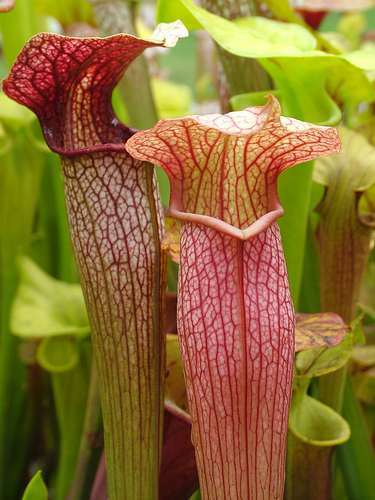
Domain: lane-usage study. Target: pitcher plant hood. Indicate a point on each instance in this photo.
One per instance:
(223, 169)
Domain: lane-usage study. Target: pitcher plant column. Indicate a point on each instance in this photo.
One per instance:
(116, 225)
(235, 315)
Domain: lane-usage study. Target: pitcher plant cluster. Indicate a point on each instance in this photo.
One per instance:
(181, 345)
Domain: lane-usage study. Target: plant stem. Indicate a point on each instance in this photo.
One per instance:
(90, 428)
(19, 188)
(308, 467)
(356, 458)
(69, 391)
(343, 243)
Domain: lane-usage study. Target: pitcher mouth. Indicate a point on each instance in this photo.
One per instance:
(96, 148)
(257, 227)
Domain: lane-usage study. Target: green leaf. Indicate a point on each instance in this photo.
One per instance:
(364, 356)
(36, 489)
(344, 234)
(356, 458)
(167, 12)
(196, 495)
(175, 389)
(319, 361)
(17, 26)
(58, 354)
(242, 101)
(67, 12)
(315, 423)
(319, 329)
(353, 168)
(171, 99)
(255, 37)
(45, 307)
(13, 115)
(277, 45)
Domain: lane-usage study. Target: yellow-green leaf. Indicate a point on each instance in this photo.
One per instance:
(58, 354)
(46, 307)
(36, 489)
(319, 330)
(317, 424)
(175, 390)
(322, 360)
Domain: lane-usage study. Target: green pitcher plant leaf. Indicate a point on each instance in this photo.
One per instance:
(233, 287)
(315, 423)
(36, 489)
(344, 233)
(356, 458)
(45, 307)
(322, 360)
(275, 42)
(317, 330)
(58, 354)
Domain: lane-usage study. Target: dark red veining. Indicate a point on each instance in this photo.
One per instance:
(116, 228)
(235, 315)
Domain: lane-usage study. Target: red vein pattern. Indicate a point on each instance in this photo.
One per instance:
(235, 315)
(115, 221)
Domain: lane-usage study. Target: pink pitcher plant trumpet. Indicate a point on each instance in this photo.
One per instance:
(235, 315)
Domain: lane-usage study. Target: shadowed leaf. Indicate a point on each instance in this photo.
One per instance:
(344, 230)
(175, 389)
(171, 240)
(37, 310)
(36, 489)
(364, 355)
(317, 330)
(58, 354)
(322, 360)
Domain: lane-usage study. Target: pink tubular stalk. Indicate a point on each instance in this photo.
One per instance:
(235, 315)
(115, 220)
